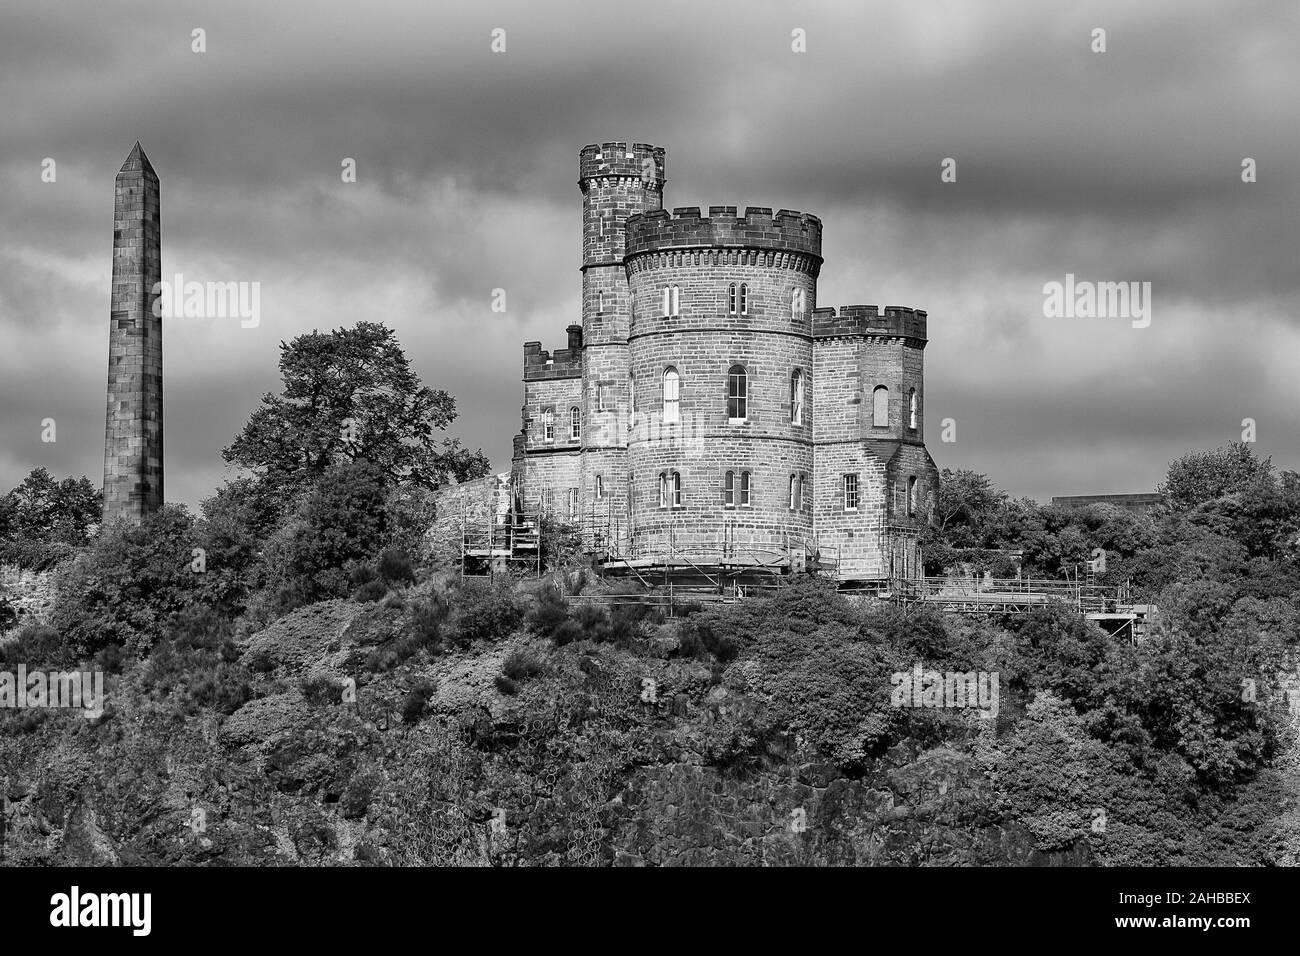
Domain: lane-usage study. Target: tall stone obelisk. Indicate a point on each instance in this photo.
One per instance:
(133, 435)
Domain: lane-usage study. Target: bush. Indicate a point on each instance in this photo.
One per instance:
(416, 704)
(485, 611)
(321, 691)
(506, 685)
(395, 567)
(522, 665)
(36, 646)
(371, 591)
(549, 611)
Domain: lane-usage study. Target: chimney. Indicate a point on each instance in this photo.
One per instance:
(575, 338)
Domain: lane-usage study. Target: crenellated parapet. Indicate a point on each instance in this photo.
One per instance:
(787, 231)
(541, 365)
(867, 320)
(618, 160)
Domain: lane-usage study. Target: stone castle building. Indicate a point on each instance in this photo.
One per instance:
(133, 431)
(707, 411)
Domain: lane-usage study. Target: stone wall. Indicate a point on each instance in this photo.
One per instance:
(471, 505)
(29, 593)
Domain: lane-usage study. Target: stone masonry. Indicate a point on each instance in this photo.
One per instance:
(706, 407)
(133, 435)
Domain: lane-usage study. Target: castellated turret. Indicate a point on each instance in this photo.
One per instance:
(721, 450)
(708, 413)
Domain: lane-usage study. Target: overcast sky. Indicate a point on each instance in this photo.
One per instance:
(1123, 165)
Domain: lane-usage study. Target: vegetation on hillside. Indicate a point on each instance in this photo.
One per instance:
(291, 681)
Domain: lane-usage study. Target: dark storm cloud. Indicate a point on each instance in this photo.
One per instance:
(1123, 165)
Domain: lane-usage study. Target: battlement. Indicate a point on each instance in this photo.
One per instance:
(758, 228)
(868, 320)
(541, 365)
(619, 160)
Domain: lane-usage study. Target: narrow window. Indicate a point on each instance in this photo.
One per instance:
(667, 301)
(729, 490)
(744, 296)
(575, 423)
(631, 399)
(663, 490)
(573, 503)
(744, 489)
(677, 489)
(676, 302)
(911, 497)
(796, 397)
(796, 304)
(911, 409)
(850, 492)
(600, 301)
(737, 394)
(794, 492)
(880, 407)
(548, 424)
(731, 298)
(672, 399)
(600, 488)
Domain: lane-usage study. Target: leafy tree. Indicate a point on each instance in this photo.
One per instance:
(351, 395)
(43, 520)
(125, 588)
(1200, 477)
(341, 524)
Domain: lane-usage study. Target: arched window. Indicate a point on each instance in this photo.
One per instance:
(600, 301)
(729, 490)
(911, 497)
(676, 302)
(667, 302)
(796, 397)
(794, 493)
(744, 489)
(672, 396)
(737, 394)
(548, 424)
(911, 409)
(600, 488)
(731, 298)
(663, 489)
(575, 423)
(796, 304)
(677, 489)
(880, 407)
(744, 299)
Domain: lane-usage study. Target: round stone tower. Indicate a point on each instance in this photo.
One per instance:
(720, 453)
(618, 181)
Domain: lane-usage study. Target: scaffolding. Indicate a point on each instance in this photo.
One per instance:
(503, 542)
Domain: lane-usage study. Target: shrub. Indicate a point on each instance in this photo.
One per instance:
(506, 685)
(549, 611)
(35, 645)
(130, 582)
(485, 611)
(320, 691)
(371, 591)
(395, 567)
(567, 633)
(416, 704)
(522, 665)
